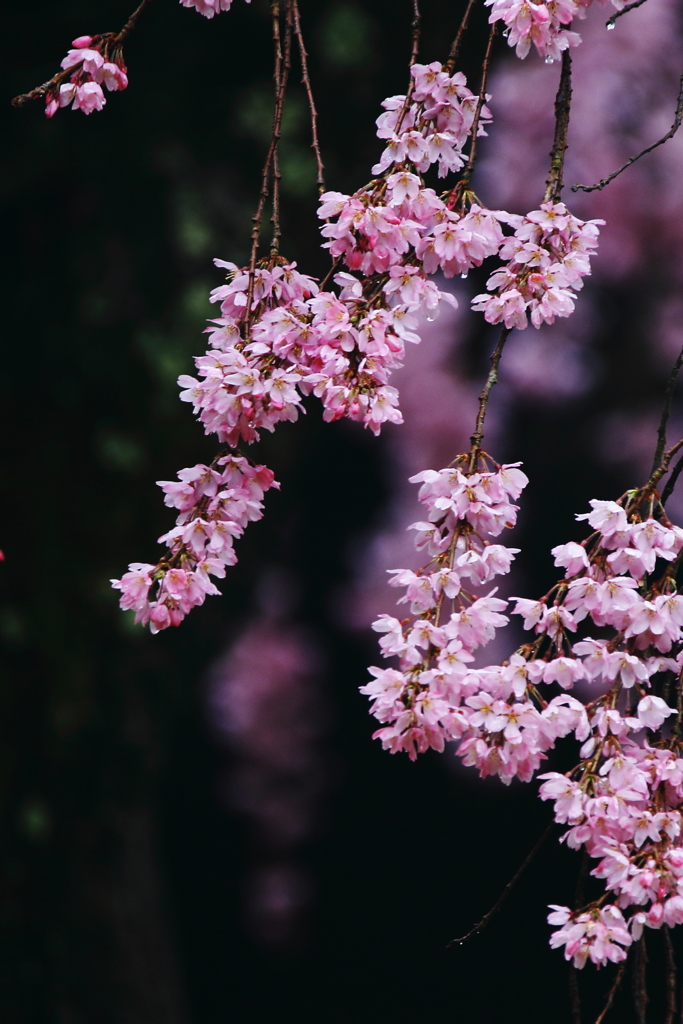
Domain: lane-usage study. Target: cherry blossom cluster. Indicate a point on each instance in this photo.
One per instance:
(600, 933)
(434, 127)
(547, 256)
(215, 504)
(209, 7)
(545, 25)
(249, 377)
(395, 221)
(278, 338)
(622, 801)
(434, 696)
(93, 67)
(301, 340)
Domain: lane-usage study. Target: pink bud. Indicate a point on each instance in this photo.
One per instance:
(82, 42)
(160, 618)
(655, 914)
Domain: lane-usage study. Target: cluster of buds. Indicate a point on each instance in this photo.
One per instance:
(94, 62)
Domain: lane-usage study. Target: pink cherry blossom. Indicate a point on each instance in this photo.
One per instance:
(546, 258)
(93, 66)
(209, 7)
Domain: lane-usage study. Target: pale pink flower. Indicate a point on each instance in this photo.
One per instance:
(653, 711)
(89, 97)
(571, 556)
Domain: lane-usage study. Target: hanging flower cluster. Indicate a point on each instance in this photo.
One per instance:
(542, 24)
(546, 258)
(209, 7)
(279, 337)
(215, 505)
(434, 694)
(434, 127)
(622, 801)
(96, 61)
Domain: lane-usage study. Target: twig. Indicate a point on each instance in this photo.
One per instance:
(306, 81)
(415, 28)
(469, 167)
(131, 23)
(563, 100)
(280, 82)
(579, 898)
(277, 82)
(574, 995)
(414, 50)
(629, 7)
(639, 980)
(478, 435)
(506, 891)
(285, 65)
(678, 119)
(449, 66)
(644, 492)
(612, 992)
(672, 481)
(42, 90)
(113, 39)
(666, 411)
(670, 961)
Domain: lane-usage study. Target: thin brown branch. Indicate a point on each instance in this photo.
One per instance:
(414, 50)
(277, 83)
(639, 980)
(650, 486)
(42, 90)
(666, 411)
(415, 30)
(449, 66)
(579, 899)
(131, 23)
(306, 81)
(506, 891)
(112, 39)
(478, 435)
(280, 85)
(574, 995)
(563, 101)
(672, 481)
(678, 119)
(612, 993)
(670, 961)
(469, 167)
(629, 7)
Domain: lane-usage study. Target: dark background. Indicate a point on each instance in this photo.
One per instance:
(123, 871)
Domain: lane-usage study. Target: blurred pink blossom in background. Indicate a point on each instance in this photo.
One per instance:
(268, 706)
